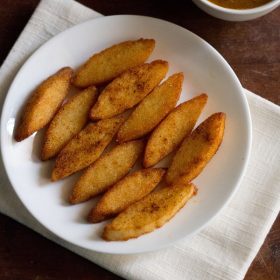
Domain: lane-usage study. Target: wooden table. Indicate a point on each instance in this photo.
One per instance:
(251, 48)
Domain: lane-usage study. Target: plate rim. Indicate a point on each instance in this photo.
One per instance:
(248, 124)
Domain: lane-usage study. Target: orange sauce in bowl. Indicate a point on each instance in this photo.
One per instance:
(239, 4)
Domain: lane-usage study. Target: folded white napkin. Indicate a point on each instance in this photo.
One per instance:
(225, 249)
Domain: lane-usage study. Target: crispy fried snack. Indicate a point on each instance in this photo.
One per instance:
(152, 212)
(129, 89)
(106, 171)
(168, 135)
(130, 189)
(152, 109)
(111, 62)
(69, 121)
(86, 147)
(43, 103)
(197, 149)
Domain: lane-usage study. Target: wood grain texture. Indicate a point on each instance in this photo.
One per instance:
(252, 48)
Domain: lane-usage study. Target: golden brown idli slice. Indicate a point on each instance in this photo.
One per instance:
(106, 171)
(69, 120)
(111, 62)
(150, 213)
(152, 109)
(130, 189)
(168, 135)
(197, 149)
(43, 103)
(128, 89)
(85, 147)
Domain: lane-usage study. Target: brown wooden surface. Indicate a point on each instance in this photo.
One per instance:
(251, 48)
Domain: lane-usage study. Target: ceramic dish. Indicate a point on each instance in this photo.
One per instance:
(205, 70)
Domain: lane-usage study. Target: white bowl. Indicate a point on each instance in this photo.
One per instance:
(234, 14)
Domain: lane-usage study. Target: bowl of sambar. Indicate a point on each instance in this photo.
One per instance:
(237, 10)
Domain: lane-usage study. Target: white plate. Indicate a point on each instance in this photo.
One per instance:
(205, 71)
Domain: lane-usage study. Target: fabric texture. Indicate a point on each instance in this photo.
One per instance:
(225, 248)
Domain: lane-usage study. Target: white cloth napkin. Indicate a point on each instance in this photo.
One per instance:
(225, 249)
